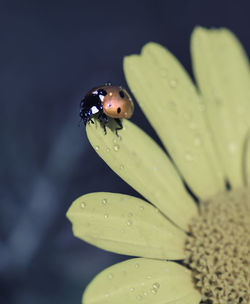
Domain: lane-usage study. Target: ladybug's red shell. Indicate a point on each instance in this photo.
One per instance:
(117, 103)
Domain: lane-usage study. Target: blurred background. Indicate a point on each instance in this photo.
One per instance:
(51, 54)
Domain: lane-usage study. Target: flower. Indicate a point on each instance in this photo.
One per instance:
(194, 241)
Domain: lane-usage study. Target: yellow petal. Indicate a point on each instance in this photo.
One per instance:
(246, 160)
(126, 225)
(136, 158)
(142, 280)
(169, 99)
(222, 71)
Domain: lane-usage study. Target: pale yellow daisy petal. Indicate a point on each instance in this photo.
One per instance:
(222, 71)
(126, 225)
(142, 280)
(136, 158)
(169, 99)
(246, 159)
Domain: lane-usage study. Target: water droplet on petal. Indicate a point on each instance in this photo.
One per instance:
(97, 148)
(139, 297)
(137, 265)
(129, 223)
(121, 167)
(173, 83)
(107, 150)
(110, 276)
(141, 208)
(156, 285)
(197, 141)
(82, 205)
(132, 289)
(116, 148)
(188, 156)
(104, 201)
(106, 215)
(232, 147)
(154, 291)
(130, 214)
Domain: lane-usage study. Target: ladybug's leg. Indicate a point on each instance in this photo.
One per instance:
(103, 120)
(120, 126)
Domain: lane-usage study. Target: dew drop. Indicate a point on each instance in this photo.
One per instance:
(141, 208)
(188, 156)
(97, 148)
(104, 201)
(197, 141)
(115, 140)
(122, 230)
(130, 214)
(106, 295)
(116, 148)
(145, 293)
(154, 291)
(132, 289)
(137, 265)
(107, 150)
(232, 147)
(139, 297)
(121, 167)
(148, 277)
(110, 276)
(106, 215)
(129, 223)
(82, 205)
(156, 285)
(173, 83)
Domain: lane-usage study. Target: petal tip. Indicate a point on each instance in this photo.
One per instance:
(151, 47)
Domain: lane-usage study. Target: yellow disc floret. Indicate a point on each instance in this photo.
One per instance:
(218, 248)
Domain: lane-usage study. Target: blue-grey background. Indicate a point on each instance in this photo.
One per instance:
(51, 53)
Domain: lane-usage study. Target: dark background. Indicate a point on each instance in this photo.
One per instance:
(51, 53)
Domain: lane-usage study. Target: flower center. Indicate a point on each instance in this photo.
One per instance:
(218, 248)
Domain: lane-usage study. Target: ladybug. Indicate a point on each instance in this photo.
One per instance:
(104, 102)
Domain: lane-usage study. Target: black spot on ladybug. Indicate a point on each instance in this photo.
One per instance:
(102, 92)
(121, 94)
(118, 110)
